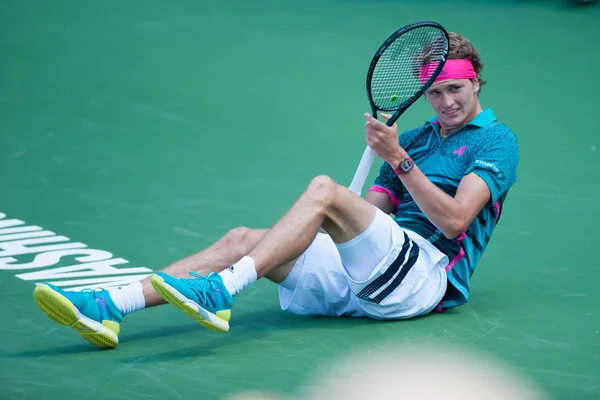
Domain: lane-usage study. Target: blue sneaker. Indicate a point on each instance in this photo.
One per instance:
(203, 298)
(90, 313)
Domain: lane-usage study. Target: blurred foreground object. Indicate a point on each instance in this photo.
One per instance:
(420, 371)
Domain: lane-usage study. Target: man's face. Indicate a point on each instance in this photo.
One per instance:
(455, 102)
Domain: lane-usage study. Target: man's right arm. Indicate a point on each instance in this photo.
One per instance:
(381, 201)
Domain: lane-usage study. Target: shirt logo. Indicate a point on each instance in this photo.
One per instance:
(460, 151)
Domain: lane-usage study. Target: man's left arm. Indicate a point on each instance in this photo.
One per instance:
(451, 215)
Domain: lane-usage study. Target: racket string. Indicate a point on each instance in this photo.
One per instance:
(395, 77)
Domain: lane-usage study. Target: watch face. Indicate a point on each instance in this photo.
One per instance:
(406, 164)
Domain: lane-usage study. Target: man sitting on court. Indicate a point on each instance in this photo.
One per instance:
(445, 182)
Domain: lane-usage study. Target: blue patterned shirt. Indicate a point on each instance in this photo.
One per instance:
(483, 146)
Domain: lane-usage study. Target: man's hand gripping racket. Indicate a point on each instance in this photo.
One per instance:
(397, 77)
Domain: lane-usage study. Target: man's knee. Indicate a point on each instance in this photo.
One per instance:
(322, 190)
(241, 240)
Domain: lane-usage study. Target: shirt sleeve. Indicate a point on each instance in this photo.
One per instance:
(388, 182)
(496, 163)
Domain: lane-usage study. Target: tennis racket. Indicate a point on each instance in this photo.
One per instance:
(396, 77)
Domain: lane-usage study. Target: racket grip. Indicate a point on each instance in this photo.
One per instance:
(362, 172)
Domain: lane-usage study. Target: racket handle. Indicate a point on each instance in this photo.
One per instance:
(362, 172)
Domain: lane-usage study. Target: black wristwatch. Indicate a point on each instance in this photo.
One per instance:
(405, 166)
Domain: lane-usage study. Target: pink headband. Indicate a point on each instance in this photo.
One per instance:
(453, 69)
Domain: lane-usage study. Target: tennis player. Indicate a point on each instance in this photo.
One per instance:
(337, 254)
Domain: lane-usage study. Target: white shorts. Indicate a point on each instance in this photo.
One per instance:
(407, 275)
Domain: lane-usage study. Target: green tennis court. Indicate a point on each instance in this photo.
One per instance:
(146, 130)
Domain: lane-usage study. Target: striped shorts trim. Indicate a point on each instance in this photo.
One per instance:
(377, 290)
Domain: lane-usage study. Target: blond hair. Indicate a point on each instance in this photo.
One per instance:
(461, 48)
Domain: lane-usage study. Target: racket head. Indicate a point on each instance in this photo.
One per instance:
(393, 78)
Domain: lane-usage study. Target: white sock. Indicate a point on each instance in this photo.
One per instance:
(128, 298)
(239, 275)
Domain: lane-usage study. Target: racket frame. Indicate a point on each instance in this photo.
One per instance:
(400, 109)
(368, 156)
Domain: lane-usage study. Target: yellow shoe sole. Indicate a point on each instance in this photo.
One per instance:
(62, 311)
(218, 322)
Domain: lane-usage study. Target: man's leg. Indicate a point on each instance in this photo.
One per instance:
(222, 254)
(324, 204)
(96, 315)
(341, 213)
